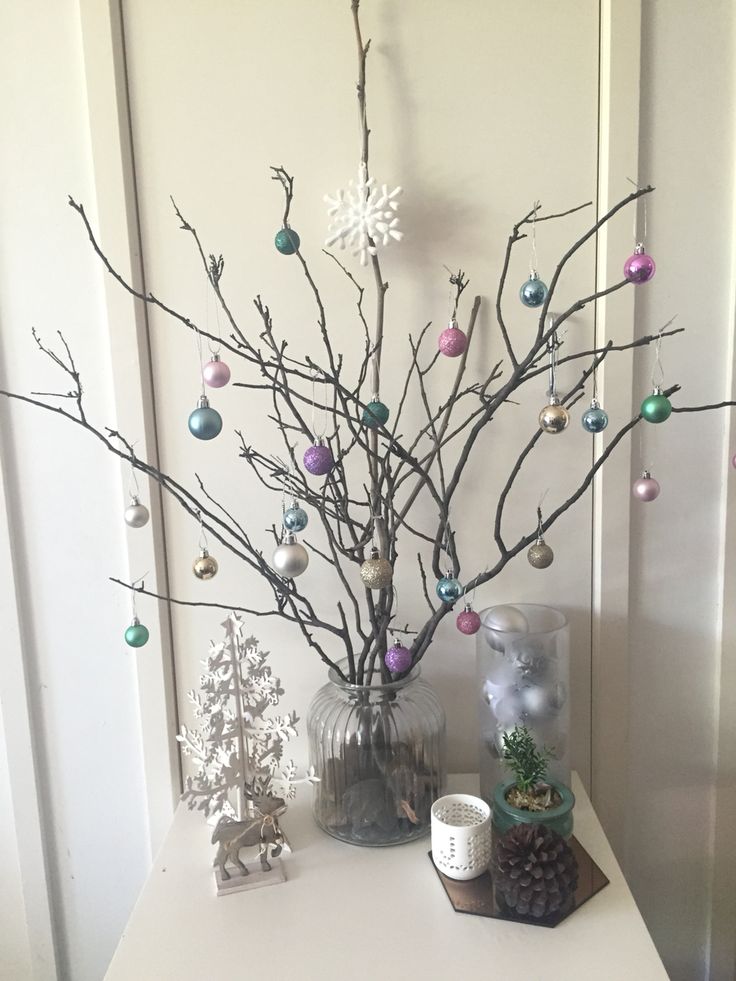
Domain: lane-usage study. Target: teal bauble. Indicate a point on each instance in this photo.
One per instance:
(295, 518)
(136, 635)
(287, 241)
(656, 407)
(449, 589)
(205, 422)
(533, 292)
(375, 414)
(594, 420)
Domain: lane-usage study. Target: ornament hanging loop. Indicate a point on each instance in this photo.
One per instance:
(203, 544)
(637, 241)
(317, 375)
(134, 490)
(658, 369)
(135, 588)
(533, 257)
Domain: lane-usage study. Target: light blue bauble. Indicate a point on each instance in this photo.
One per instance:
(533, 292)
(595, 419)
(205, 422)
(136, 635)
(449, 589)
(295, 518)
(287, 241)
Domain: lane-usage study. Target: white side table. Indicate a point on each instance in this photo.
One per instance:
(354, 914)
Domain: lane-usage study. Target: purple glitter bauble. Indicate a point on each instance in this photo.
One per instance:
(646, 488)
(452, 342)
(318, 460)
(468, 622)
(639, 267)
(398, 658)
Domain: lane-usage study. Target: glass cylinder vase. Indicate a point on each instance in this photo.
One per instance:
(523, 672)
(379, 753)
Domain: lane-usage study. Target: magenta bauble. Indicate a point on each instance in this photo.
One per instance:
(216, 373)
(645, 488)
(639, 267)
(452, 341)
(468, 622)
(398, 658)
(318, 459)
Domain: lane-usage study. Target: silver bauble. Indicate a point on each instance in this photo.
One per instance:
(554, 417)
(204, 566)
(136, 514)
(537, 701)
(376, 572)
(540, 555)
(290, 558)
(501, 621)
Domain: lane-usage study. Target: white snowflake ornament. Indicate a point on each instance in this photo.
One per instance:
(363, 216)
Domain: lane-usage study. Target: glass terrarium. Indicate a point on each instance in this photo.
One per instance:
(523, 670)
(379, 753)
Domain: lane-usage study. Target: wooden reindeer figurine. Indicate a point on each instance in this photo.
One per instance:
(262, 830)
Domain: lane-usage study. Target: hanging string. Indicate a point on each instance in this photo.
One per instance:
(643, 200)
(552, 352)
(657, 369)
(203, 544)
(533, 260)
(133, 488)
(540, 529)
(321, 434)
(133, 592)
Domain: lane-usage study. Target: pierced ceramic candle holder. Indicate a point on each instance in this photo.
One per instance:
(461, 836)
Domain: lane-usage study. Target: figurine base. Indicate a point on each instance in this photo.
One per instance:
(256, 878)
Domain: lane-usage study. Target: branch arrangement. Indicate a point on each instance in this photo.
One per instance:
(398, 469)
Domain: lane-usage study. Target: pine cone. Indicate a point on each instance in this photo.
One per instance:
(534, 870)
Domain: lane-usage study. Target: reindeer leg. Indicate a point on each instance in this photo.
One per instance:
(236, 858)
(263, 855)
(220, 860)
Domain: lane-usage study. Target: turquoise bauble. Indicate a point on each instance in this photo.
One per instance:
(295, 518)
(594, 420)
(533, 293)
(287, 241)
(375, 414)
(136, 635)
(656, 407)
(205, 422)
(449, 589)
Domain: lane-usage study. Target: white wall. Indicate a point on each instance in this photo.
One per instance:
(687, 150)
(65, 508)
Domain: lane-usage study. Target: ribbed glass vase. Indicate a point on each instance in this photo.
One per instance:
(379, 753)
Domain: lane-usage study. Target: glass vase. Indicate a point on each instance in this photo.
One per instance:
(379, 753)
(523, 671)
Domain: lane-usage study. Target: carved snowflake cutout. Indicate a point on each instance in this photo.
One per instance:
(363, 216)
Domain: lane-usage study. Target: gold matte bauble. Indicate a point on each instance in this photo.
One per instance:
(540, 555)
(205, 567)
(553, 418)
(376, 572)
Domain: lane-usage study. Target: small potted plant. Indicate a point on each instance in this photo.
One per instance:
(531, 797)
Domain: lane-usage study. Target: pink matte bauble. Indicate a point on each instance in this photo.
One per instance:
(452, 342)
(645, 489)
(318, 460)
(639, 268)
(216, 373)
(398, 658)
(468, 622)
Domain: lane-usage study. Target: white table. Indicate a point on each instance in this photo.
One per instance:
(353, 914)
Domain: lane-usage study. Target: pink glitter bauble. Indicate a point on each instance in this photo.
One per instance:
(318, 459)
(452, 342)
(398, 658)
(216, 373)
(639, 267)
(645, 488)
(468, 622)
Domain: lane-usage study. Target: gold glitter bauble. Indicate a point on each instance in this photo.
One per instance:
(205, 567)
(540, 555)
(376, 573)
(553, 418)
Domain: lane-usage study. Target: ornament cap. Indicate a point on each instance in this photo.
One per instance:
(203, 553)
(289, 538)
(453, 324)
(554, 398)
(374, 552)
(136, 622)
(203, 402)
(134, 500)
(533, 274)
(594, 403)
(639, 250)
(646, 475)
(468, 607)
(657, 390)
(215, 356)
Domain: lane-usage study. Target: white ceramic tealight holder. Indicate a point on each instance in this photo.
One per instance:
(461, 836)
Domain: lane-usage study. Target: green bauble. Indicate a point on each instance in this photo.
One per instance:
(375, 414)
(136, 635)
(656, 407)
(286, 241)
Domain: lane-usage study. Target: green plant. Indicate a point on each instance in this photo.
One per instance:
(521, 756)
